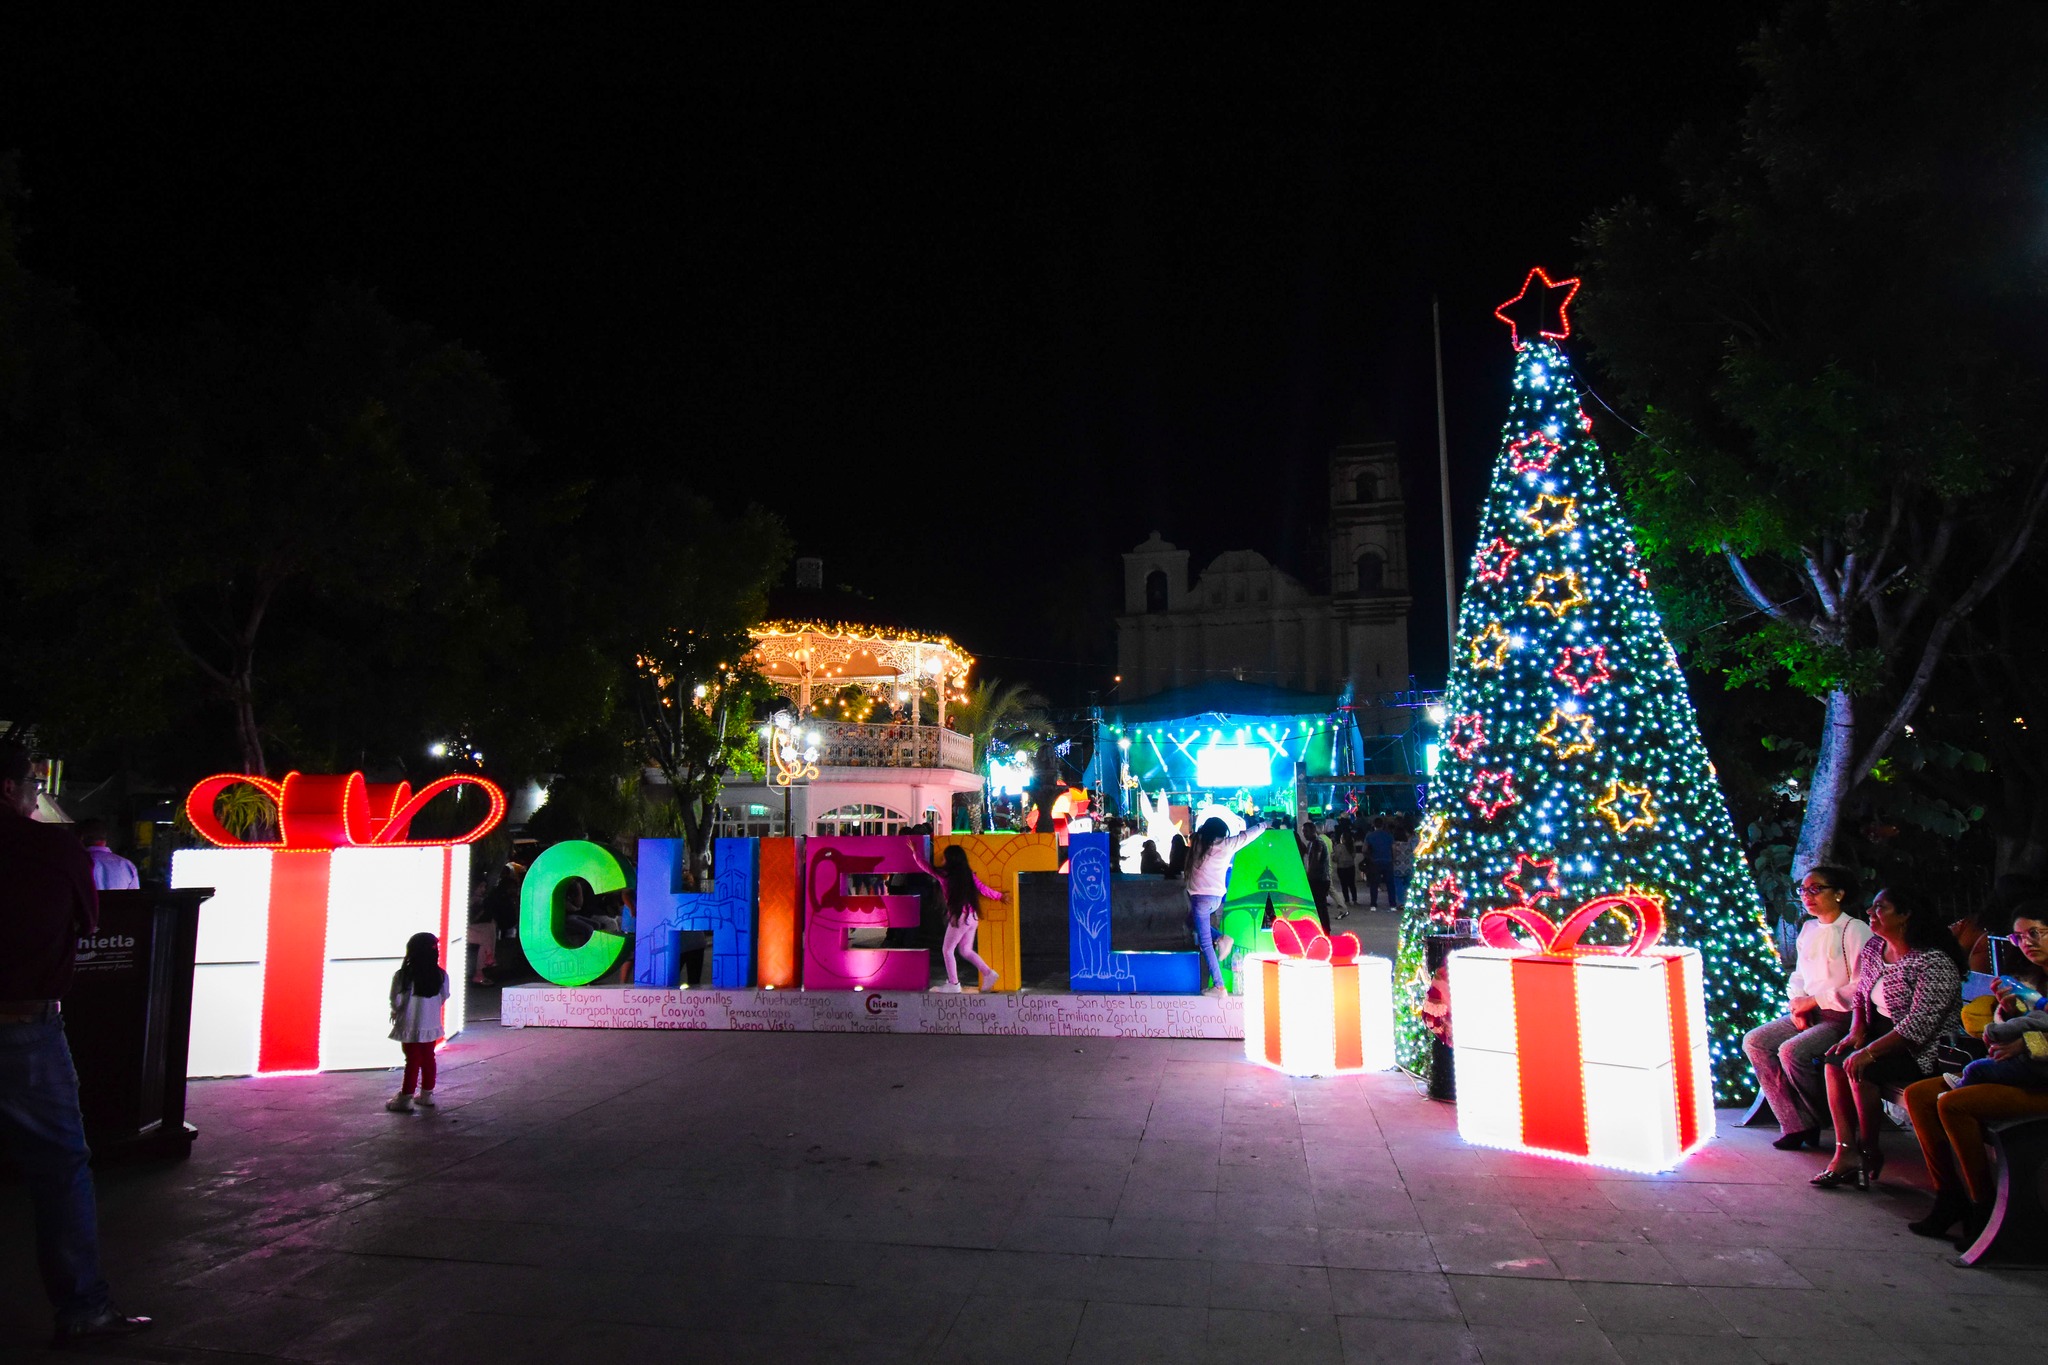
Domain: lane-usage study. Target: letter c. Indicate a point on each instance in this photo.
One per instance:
(563, 965)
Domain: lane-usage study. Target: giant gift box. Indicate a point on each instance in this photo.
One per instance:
(298, 945)
(1590, 1054)
(1314, 1007)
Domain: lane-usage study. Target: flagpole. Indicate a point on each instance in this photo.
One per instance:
(1443, 453)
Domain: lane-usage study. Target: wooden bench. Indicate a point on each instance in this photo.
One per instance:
(2018, 1226)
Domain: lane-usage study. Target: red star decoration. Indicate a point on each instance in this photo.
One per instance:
(1533, 453)
(1494, 561)
(1467, 736)
(1533, 881)
(1535, 312)
(1493, 791)
(1446, 898)
(1582, 668)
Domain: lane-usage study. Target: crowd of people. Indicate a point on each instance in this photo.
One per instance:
(1338, 852)
(1886, 1001)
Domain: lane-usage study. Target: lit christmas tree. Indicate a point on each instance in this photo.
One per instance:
(1572, 764)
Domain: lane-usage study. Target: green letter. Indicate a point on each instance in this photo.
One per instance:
(568, 966)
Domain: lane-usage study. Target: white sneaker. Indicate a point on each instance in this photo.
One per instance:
(1954, 1078)
(946, 988)
(401, 1103)
(1216, 991)
(425, 1099)
(1224, 943)
(988, 983)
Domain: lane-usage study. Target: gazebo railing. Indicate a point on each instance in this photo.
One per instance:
(893, 744)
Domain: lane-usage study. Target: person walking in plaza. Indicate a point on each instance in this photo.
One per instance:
(47, 899)
(1379, 859)
(1208, 874)
(419, 995)
(1785, 1053)
(110, 871)
(1908, 993)
(1403, 865)
(1315, 858)
(963, 892)
(1949, 1112)
(1344, 855)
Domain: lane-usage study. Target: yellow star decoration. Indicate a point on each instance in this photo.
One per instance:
(1662, 901)
(1429, 834)
(1568, 733)
(1642, 817)
(1490, 650)
(1551, 515)
(1571, 593)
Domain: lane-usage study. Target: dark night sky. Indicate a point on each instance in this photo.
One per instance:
(974, 311)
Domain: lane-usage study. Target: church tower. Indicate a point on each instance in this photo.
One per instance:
(1369, 565)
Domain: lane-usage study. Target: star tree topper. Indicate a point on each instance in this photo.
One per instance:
(1542, 312)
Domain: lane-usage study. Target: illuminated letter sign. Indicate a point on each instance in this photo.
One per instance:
(1265, 874)
(662, 910)
(1093, 964)
(545, 951)
(297, 947)
(1001, 860)
(779, 916)
(834, 906)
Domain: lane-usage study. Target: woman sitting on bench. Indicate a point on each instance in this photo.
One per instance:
(1786, 1052)
(1907, 994)
(1950, 1122)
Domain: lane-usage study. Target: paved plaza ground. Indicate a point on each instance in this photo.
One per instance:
(619, 1197)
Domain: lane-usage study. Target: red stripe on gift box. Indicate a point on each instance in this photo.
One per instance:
(1269, 972)
(295, 962)
(1682, 1074)
(1350, 1038)
(1547, 1055)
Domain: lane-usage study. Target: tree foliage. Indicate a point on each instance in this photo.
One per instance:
(1831, 337)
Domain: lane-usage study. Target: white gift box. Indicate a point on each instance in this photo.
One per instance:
(1591, 1056)
(1310, 1018)
(333, 1011)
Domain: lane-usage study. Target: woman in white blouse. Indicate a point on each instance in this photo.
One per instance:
(1786, 1052)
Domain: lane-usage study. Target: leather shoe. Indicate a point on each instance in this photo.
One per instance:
(107, 1326)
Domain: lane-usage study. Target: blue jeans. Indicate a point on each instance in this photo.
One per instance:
(1199, 910)
(2018, 1071)
(1397, 889)
(43, 1133)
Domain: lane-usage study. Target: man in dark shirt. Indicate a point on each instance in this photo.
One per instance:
(1379, 856)
(46, 901)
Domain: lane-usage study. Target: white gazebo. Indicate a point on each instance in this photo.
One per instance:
(871, 778)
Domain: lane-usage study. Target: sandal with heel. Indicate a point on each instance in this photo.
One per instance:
(1830, 1179)
(1871, 1169)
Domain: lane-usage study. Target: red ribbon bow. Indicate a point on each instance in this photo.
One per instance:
(1305, 938)
(1645, 912)
(331, 811)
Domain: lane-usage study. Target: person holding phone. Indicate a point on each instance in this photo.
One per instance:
(1786, 1052)
(1949, 1117)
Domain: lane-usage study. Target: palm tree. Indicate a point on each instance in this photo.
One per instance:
(996, 711)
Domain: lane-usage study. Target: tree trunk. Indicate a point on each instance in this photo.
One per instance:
(1828, 792)
(247, 736)
(693, 855)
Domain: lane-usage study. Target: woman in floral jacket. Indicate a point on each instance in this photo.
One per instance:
(1908, 993)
